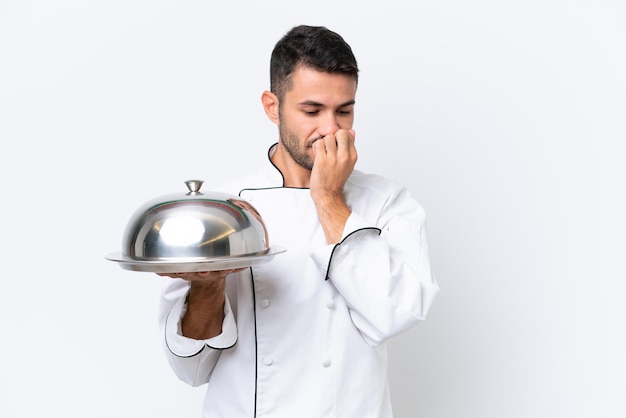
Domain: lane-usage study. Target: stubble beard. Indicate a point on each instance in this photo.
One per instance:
(292, 144)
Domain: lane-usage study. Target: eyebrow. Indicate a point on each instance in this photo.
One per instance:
(316, 104)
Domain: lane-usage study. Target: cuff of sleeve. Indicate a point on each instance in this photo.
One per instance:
(182, 346)
(353, 224)
(323, 255)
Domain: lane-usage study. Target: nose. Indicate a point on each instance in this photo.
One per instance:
(328, 124)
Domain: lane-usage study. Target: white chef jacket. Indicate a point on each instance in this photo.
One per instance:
(304, 334)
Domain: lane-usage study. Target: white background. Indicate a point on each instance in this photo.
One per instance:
(505, 118)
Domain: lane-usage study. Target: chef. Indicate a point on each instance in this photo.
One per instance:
(305, 334)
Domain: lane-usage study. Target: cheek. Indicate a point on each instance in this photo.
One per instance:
(347, 122)
(303, 127)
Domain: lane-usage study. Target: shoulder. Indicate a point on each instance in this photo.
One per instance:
(379, 191)
(373, 183)
(253, 180)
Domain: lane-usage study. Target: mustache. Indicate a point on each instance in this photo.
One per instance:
(311, 141)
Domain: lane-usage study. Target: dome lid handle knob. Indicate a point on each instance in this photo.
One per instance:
(194, 186)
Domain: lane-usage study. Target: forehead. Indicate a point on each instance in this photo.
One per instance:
(326, 88)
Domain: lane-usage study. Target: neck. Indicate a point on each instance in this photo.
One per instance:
(294, 175)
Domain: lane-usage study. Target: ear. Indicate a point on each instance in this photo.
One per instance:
(270, 105)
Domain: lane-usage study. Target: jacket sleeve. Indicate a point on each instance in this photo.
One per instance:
(191, 360)
(382, 269)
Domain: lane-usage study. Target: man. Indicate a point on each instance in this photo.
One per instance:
(304, 334)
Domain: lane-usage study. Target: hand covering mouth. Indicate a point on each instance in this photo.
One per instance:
(310, 142)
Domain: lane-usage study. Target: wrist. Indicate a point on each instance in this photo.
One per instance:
(205, 310)
(207, 296)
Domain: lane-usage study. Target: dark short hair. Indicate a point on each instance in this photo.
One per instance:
(315, 47)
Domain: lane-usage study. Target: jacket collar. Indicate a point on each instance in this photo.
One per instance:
(272, 173)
